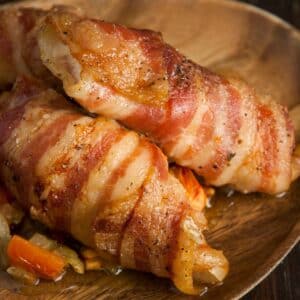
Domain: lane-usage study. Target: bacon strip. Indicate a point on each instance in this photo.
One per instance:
(202, 121)
(107, 186)
(19, 52)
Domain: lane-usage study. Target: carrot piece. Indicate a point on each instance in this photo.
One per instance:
(192, 186)
(34, 259)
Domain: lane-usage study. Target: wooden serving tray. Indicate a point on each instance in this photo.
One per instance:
(255, 231)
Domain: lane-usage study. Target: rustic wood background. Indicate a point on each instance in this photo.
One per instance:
(284, 282)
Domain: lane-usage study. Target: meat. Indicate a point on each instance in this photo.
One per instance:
(19, 52)
(105, 185)
(218, 127)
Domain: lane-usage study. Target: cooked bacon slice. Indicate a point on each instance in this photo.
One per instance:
(19, 52)
(107, 186)
(218, 127)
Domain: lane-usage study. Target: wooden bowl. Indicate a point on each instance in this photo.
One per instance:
(255, 231)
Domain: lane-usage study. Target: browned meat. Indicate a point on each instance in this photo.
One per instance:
(107, 186)
(216, 126)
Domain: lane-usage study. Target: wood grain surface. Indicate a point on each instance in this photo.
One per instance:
(283, 282)
(255, 231)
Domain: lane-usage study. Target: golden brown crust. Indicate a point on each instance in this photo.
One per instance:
(201, 120)
(107, 186)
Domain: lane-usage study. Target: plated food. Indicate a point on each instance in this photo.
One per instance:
(218, 127)
(26, 90)
(108, 187)
(19, 53)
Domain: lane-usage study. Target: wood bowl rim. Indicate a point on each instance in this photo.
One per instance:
(293, 238)
(277, 256)
(264, 13)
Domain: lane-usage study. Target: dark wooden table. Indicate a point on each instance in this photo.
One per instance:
(284, 282)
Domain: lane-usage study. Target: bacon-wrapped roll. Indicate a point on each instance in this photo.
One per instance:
(19, 53)
(107, 186)
(218, 127)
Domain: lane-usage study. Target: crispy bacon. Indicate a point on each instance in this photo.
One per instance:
(107, 186)
(218, 127)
